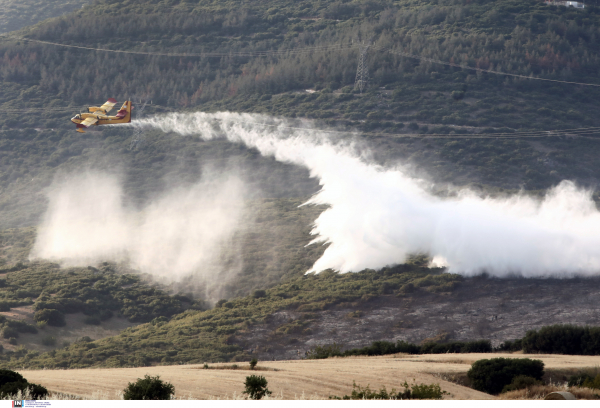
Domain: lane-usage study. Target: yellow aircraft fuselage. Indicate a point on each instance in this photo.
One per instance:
(101, 117)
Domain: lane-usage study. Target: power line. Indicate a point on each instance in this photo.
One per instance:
(287, 51)
(298, 51)
(489, 71)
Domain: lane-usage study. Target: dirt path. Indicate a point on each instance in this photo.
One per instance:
(297, 379)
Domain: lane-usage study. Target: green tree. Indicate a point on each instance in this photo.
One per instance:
(492, 375)
(253, 363)
(149, 388)
(256, 387)
(52, 316)
(12, 382)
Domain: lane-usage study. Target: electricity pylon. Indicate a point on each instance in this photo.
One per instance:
(362, 72)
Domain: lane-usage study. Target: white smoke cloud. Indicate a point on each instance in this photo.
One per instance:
(377, 216)
(182, 233)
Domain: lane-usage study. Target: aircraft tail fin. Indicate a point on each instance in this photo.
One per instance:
(125, 112)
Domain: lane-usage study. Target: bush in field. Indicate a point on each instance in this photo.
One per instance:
(9, 332)
(256, 387)
(417, 391)
(253, 363)
(52, 316)
(592, 382)
(521, 382)
(149, 388)
(492, 375)
(12, 382)
(424, 391)
(360, 393)
(577, 380)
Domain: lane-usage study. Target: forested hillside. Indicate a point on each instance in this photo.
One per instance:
(16, 14)
(519, 37)
(404, 95)
(296, 60)
(44, 85)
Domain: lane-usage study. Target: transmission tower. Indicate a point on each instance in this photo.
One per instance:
(362, 72)
(138, 132)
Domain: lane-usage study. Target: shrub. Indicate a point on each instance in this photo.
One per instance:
(49, 341)
(13, 341)
(421, 391)
(360, 393)
(324, 351)
(478, 346)
(492, 375)
(149, 388)
(259, 294)
(521, 382)
(424, 391)
(458, 95)
(577, 380)
(509, 345)
(9, 332)
(563, 339)
(37, 391)
(592, 382)
(8, 376)
(92, 320)
(256, 387)
(12, 382)
(253, 363)
(52, 316)
(408, 348)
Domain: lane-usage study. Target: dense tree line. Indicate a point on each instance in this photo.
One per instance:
(563, 339)
(526, 38)
(382, 348)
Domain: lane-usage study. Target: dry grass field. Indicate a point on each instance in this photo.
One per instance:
(294, 379)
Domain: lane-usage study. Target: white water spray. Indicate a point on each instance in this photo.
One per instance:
(377, 216)
(182, 233)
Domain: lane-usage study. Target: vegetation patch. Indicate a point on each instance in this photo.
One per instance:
(416, 391)
(198, 336)
(149, 388)
(381, 348)
(493, 375)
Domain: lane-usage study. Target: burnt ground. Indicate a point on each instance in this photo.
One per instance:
(480, 308)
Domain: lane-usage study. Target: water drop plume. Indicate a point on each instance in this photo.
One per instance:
(377, 216)
(184, 231)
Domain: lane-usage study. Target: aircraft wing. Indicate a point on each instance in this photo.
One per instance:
(108, 105)
(89, 122)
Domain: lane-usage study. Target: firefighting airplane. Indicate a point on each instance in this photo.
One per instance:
(98, 115)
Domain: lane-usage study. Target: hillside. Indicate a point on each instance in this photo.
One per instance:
(411, 114)
(16, 14)
(405, 96)
(408, 302)
(43, 307)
